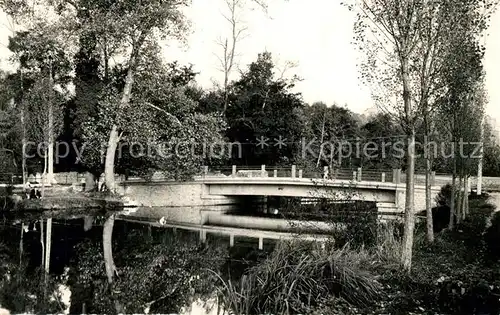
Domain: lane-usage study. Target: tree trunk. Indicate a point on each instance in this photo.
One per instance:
(428, 170)
(451, 223)
(50, 149)
(467, 192)
(23, 162)
(109, 164)
(428, 203)
(229, 60)
(21, 245)
(48, 243)
(331, 160)
(465, 198)
(107, 238)
(42, 243)
(114, 137)
(322, 139)
(479, 184)
(44, 174)
(107, 245)
(23, 144)
(23, 128)
(226, 92)
(409, 216)
(458, 203)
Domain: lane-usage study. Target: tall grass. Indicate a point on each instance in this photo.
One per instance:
(297, 277)
(387, 249)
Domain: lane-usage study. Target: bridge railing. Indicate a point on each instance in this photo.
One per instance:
(389, 176)
(358, 175)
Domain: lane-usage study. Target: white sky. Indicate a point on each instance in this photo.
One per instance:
(314, 33)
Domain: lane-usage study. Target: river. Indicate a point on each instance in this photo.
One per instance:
(159, 269)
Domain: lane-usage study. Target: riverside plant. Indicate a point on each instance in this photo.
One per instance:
(298, 277)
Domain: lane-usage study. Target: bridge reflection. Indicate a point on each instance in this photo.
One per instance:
(232, 232)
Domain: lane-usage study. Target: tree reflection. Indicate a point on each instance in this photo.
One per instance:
(143, 269)
(121, 267)
(22, 284)
(107, 245)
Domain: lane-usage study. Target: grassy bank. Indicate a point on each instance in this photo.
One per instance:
(458, 274)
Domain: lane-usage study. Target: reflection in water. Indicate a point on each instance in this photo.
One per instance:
(158, 270)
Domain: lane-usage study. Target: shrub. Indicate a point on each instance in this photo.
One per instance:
(297, 278)
(443, 198)
(492, 237)
(359, 220)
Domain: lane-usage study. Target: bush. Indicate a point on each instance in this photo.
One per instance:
(441, 213)
(359, 220)
(451, 275)
(296, 278)
(492, 237)
(443, 198)
(440, 218)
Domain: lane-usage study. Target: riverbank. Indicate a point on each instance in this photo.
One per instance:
(171, 268)
(455, 275)
(62, 204)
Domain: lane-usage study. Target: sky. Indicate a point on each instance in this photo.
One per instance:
(315, 34)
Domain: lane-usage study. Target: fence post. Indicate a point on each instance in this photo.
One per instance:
(354, 175)
(325, 172)
(262, 171)
(359, 174)
(275, 173)
(300, 173)
(294, 171)
(433, 178)
(383, 177)
(205, 170)
(233, 173)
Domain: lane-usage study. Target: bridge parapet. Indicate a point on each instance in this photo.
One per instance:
(395, 176)
(358, 175)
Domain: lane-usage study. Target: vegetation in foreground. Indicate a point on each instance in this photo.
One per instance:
(458, 274)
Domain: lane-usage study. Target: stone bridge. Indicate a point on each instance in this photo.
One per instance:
(219, 192)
